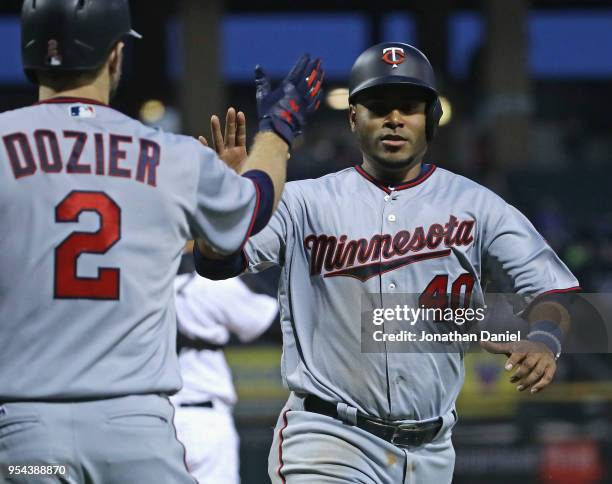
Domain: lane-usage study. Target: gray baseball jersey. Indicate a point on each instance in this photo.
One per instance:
(346, 235)
(95, 208)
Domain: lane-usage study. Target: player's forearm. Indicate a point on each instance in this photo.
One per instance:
(270, 154)
(550, 311)
(549, 322)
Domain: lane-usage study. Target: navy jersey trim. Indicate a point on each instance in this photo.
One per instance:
(560, 296)
(255, 213)
(265, 201)
(218, 269)
(70, 100)
(367, 271)
(424, 175)
(557, 291)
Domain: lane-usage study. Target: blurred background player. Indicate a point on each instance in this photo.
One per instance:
(96, 208)
(209, 313)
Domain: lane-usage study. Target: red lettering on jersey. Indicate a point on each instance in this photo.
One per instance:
(464, 233)
(417, 243)
(148, 161)
(80, 138)
(435, 236)
(117, 155)
(326, 251)
(44, 137)
(318, 245)
(448, 230)
(401, 241)
(68, 285)
(23, 165)
(99, 142)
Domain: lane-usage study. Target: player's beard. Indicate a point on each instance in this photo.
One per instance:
(396, 165)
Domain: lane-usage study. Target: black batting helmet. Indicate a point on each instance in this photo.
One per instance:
(71, 35)
(397, 63)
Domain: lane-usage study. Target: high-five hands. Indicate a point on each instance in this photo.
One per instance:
(231, 146)
(284, 110)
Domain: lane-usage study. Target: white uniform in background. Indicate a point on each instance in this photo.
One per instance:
(207, 312)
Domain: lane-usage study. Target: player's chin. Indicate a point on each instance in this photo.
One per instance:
(395, 159)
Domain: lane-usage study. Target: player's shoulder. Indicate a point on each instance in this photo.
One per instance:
(462, 185)
(12, 115)
(167, 138)
(326, 185)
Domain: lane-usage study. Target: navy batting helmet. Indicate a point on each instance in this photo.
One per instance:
(71, 35)
(397, 63)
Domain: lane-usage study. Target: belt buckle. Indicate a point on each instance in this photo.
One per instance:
(407, 435)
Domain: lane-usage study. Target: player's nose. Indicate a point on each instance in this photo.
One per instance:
(394, 119)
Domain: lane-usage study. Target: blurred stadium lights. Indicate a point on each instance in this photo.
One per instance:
(152, 111)
(338, 98)
(155, 113)
(447, 109)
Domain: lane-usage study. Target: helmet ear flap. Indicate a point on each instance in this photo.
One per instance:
(434, 113)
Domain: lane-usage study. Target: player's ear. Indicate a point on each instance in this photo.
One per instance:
(116, 57)
(352, 115)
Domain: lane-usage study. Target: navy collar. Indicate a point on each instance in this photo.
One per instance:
(426, 171)
(71, 100)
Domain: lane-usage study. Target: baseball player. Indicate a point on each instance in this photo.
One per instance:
(394, 224)
(95, 209)
(207, 313)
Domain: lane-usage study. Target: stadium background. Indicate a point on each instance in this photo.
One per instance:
(528, 84)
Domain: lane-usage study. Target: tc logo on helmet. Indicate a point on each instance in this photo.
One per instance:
(53, 56)
(393, 56)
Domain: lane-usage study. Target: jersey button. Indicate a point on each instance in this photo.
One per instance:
(392, 286)
(391, 218)
(387, 198)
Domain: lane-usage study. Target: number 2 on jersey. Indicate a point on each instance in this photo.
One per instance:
(67, 285)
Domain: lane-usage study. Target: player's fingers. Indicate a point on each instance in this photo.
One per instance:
(298, 70)
(524, 368)
(515, 359)
(217, 137)
(203, 140)
(262, 83)
(536, 373)
(549, 374)
(230, 128)
(241, 129)
(496, 348)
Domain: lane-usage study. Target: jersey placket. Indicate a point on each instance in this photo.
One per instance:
(388, 280)
(397, 204)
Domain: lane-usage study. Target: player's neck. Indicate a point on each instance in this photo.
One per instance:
(94, 92)
(392, 176)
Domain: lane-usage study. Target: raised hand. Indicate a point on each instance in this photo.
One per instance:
(284, 110)
(230, 146)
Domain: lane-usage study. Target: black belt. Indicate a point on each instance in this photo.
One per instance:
(400, 434)
(207, 404)
(184, 341)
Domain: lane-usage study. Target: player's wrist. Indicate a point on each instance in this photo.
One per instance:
(549, 334)
(280, 129)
